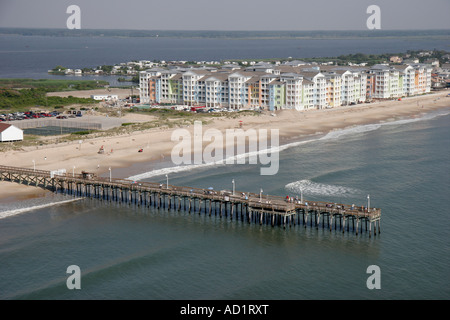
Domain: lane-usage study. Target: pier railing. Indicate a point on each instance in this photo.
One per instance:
(267, 204)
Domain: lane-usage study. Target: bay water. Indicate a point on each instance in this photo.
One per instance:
(127, 252)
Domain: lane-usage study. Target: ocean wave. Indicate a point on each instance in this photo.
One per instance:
(332, 135)
(163, 171)
(13, 212)
(336, 134)
(309, 187)
(230, 160)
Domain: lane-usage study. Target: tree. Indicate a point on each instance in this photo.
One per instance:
(59, 68)
(106, 69)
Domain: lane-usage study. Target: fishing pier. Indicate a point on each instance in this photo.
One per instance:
(250, 207)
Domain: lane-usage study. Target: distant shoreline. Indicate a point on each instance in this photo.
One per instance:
(233, 34)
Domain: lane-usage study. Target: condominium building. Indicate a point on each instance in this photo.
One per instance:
(293, 89)
(144, 81)
(334, 89)
(240, 93)
(401, 80)
(274, 87)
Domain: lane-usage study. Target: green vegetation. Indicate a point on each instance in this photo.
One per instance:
(21, 94)
(58, 70)
(22, 100)
(372, 59)
(134, 79)
(106, 69)
(51, 85)
(84, 132)
(358, 58)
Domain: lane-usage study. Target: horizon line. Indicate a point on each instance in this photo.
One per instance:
(223, 30)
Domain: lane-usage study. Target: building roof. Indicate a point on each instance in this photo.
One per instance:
(401, 67)
(288, 69)
(4, 126)
(216, 76)
(295, 63)
(252, 80)
(178, 76)
(380, 67)
(277, 82)
(291, 75)
(310, 74)
(243, 74)
(172, 71)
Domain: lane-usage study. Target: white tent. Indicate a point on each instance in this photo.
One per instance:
(8, 132)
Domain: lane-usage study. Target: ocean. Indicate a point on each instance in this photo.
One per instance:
(127, 252)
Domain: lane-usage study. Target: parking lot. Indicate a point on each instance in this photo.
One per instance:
(66, 121)
(29, 115)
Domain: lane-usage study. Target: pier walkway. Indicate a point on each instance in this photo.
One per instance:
(252, 207)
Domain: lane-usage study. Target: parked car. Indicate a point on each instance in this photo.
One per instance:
(61, 117)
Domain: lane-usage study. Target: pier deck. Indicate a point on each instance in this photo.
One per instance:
(267, 209)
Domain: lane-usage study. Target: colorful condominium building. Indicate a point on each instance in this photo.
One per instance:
(288, 86)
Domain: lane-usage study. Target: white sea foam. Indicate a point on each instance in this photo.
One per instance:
(336, 134)
(13, 212)
(332, 135)
(309, 187)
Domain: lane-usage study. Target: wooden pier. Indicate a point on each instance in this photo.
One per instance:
(251, 207)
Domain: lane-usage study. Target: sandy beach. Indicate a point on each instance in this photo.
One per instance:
(122, 151)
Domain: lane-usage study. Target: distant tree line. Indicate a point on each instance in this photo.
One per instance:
(333, 34)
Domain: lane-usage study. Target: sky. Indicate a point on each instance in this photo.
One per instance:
(296, 15)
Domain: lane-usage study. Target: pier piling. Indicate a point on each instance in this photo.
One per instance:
(273, 210)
